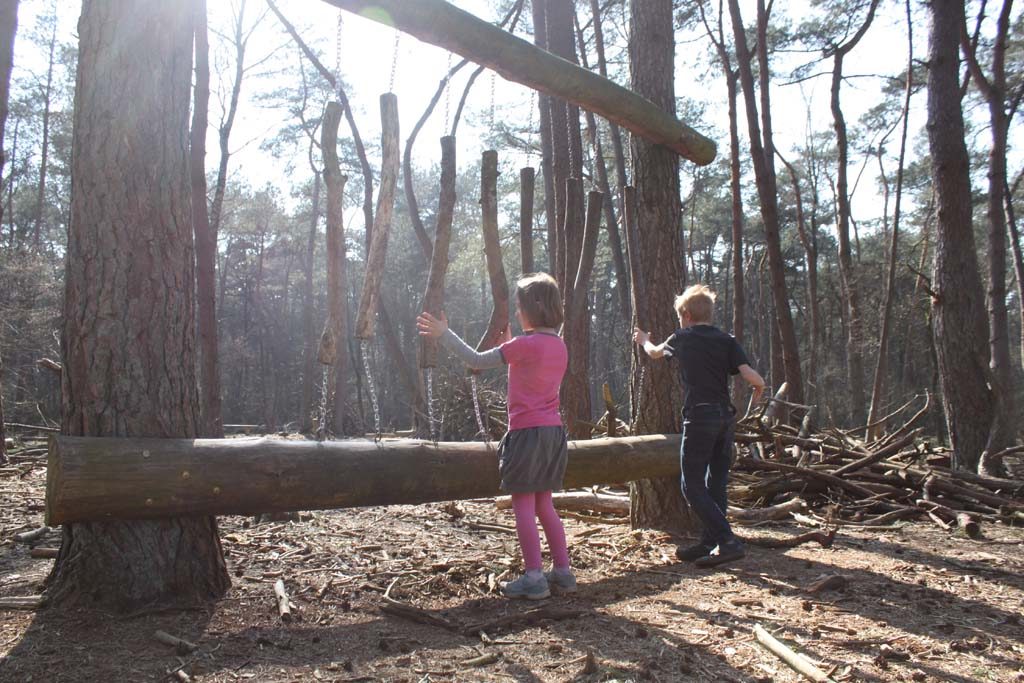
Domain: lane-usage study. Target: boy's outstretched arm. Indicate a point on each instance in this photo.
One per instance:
(644, 341)
(437, 328)
(754, 379)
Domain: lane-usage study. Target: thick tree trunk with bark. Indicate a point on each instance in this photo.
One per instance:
(206, 239)
(138, 478)
(960, 326)
(656, 253)
(439, 23)
(129, 332)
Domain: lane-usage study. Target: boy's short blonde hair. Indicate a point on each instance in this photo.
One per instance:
(539, 300)
(698, 301)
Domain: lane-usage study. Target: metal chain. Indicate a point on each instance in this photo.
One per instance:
(529, 129)
(321, 428)
(476, 409)
(430, 405)
(447, 94)
(394, 61)
(337, 55)
(638, 397)
(371, 386)
(491, 121)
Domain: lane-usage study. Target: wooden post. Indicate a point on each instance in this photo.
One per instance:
(433, 297)
(439, 23)
(498, 323)
(333, 351)
(527, 181)
(382, 218)
(114, 478)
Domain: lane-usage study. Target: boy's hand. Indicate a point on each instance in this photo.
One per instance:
(432, 327)
(758, 393)
(640, 337)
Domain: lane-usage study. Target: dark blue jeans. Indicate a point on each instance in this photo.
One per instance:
(705, 457)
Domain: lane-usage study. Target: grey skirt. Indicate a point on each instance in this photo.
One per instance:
(533, 459)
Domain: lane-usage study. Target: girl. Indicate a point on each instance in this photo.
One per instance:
(533, 454)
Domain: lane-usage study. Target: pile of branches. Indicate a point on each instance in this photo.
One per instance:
(847, 478)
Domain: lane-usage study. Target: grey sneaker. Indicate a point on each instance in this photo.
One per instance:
(562, 582)
(525, 587)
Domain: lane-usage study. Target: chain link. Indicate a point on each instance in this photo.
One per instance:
(448, 94)
(638, 397)
(363, 344)
(476, 409)
(491, 114)
(321, 427)
(337, 55)
(394, 61)
(430, 405)
(529, 129)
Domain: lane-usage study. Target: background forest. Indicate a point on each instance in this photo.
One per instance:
(855, 203)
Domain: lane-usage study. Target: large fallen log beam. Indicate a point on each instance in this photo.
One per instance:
(111, 478)
(442, 24)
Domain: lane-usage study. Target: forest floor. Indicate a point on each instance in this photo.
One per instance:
(917, 604)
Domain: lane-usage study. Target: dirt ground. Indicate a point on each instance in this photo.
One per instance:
(918, 604)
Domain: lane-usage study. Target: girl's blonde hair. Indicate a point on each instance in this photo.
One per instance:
(698, 301)
(539, 300)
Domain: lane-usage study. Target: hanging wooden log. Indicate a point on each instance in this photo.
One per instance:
(433, 297)
(333, 334)
(527, 182)
(439, 23)
(498, 324)
(382, 218)
(112, 478)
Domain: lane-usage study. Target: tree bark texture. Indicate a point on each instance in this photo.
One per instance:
(155, 478)
(212, 424)
(377, 251)
(129, 332)
(334, 339)
(657, 254)
(499, 320)
(959, 324)
(433, 297)
(439, 23)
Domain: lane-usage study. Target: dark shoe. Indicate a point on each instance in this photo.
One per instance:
(725, 552)
(693, 552)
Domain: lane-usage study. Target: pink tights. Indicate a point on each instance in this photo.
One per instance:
(528, 507)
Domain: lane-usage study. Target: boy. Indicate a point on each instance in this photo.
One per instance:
(707, 356)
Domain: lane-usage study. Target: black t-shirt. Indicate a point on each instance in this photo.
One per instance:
(707, 356)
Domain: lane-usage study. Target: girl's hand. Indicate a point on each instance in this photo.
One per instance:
(432, 327)
(640, 337)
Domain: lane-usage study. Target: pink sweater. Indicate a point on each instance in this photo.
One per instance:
(536, 365)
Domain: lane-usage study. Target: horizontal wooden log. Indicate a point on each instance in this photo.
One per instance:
(442, 24)
(111, 478)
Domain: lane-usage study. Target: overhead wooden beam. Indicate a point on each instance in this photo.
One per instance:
(112, 478)
(446, 26)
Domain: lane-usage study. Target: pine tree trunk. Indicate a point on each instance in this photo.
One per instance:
(960, 326)
(129, 331)
(656, 503)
